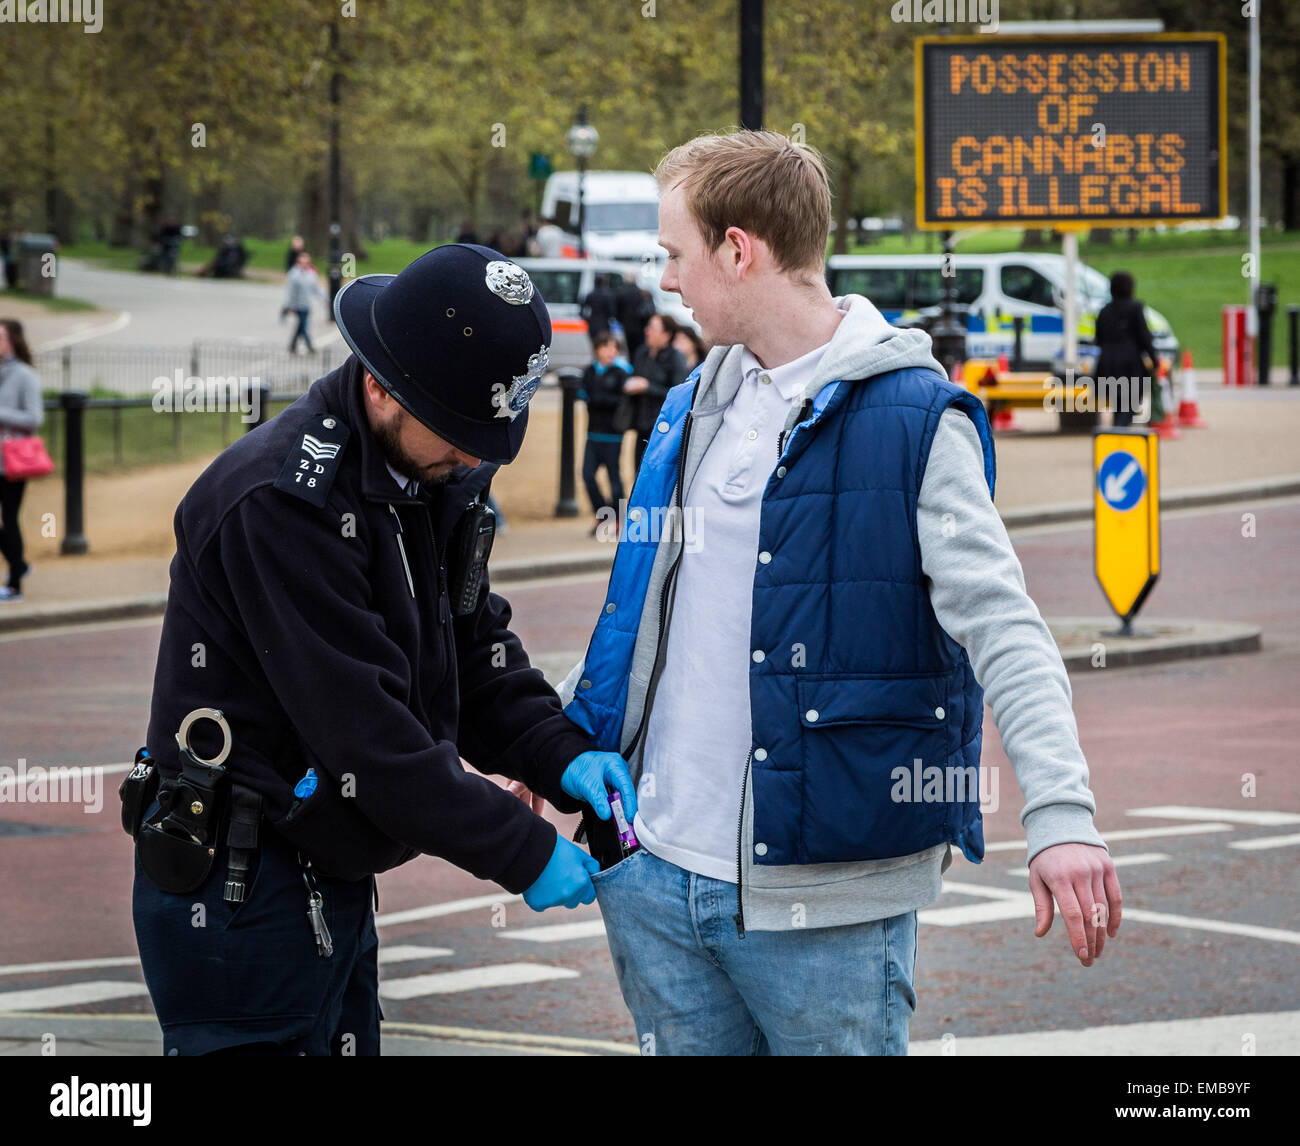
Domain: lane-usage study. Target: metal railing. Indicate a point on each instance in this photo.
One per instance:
(119, 405)
(134, 371)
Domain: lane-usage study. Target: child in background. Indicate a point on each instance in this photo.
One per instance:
(602, 390)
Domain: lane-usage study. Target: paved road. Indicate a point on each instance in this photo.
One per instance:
(1206, 958)
(174, 311)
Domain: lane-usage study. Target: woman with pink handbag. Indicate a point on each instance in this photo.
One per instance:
(22, 411)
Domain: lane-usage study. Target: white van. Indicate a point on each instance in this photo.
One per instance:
(621, 211)
(996, 288)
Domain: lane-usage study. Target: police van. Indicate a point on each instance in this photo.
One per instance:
(620, 212)
(993, 289)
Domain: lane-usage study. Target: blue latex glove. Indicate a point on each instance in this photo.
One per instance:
(590, 776)
(565, 880)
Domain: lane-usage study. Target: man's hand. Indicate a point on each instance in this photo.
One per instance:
(590, 776)
(1082, 878)
(536, 804)
(636, 385)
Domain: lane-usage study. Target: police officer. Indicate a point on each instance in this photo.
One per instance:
(330, 651)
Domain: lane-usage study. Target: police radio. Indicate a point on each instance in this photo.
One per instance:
(471, 544)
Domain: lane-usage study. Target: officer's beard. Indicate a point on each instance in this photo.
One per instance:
(389, 436)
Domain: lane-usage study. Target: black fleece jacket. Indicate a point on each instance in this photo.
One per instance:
(298, 622)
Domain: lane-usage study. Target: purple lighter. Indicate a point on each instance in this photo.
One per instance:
(626, 837)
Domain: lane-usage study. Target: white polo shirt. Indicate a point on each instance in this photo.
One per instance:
(699, 732)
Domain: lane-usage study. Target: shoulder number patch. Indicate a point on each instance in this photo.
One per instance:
(310, 469)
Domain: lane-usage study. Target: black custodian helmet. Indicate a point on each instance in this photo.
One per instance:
(461, 339)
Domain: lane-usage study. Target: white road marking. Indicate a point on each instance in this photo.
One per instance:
(1250, 930)
(404, 952)
(949, 916)
(569, 1043)
(452, 907)
(70, 965)
(1119, 861)
(976, 913)
(472, 979)
(70, 995)
(1232, 815)
(121, 322)
(558, 932)
(1266, 842)
(1277, 1033)
(1121, 834)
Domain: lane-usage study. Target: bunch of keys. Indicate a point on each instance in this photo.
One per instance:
(315, 914)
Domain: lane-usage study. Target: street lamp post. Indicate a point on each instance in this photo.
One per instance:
(582, 140)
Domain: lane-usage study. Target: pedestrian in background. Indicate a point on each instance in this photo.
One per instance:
(1125, 345)
(656, 368)
(303, 289)
(296, 248)
(21, 413)
(602, 390)
(600, 307)
(691, 345)
(633, 307)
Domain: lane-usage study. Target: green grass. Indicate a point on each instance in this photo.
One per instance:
(56, 303)
(138, 435)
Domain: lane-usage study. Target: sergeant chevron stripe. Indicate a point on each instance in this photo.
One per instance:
(318, 449)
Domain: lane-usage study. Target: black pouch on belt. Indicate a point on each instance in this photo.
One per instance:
(178, 848)
(137, 791)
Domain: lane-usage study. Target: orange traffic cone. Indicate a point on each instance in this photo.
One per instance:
(1189, 413)
(1165, 427)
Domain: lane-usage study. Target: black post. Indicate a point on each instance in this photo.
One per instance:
(336, 252)
(74, 472)
(1265, 308)
(567, 506)
(948, 338)
(751, 65)
(1018, 359)
(1293, 322)
(582, 191)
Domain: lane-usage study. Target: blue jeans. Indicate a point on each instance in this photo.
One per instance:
(695, 987)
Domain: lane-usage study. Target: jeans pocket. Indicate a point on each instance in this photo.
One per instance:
(602, 878)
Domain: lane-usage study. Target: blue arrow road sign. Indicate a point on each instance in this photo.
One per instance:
(1121, 480)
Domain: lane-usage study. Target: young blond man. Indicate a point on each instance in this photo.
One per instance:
(800, 696)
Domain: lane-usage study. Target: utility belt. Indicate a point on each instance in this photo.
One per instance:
(177, 847)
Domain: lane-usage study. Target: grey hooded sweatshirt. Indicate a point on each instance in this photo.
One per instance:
(977, 590)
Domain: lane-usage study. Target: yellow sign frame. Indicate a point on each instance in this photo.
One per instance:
(1126, 543)
(1073, 222)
